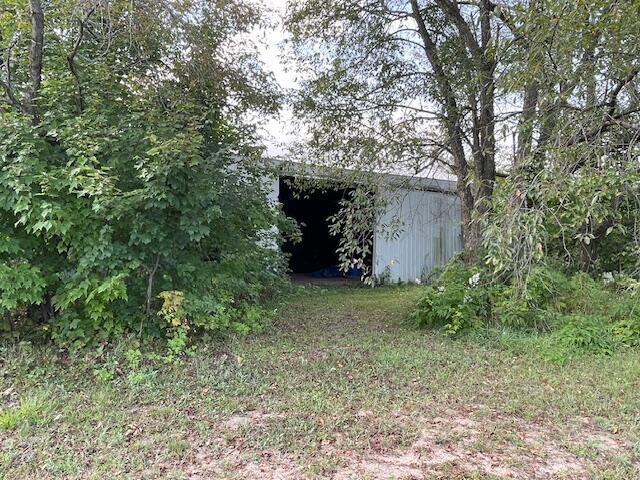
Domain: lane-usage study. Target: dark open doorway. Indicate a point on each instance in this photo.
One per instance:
(315, 254)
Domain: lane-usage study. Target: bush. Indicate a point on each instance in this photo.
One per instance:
(535, 307)
(514, 311)
(581, 314)
(89, 246)
(457, 301)
(577, 334)
(129, 180)
(627, 331)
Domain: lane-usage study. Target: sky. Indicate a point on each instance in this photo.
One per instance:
(280, 132)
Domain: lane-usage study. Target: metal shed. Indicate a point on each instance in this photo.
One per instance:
(430, 234)
(427, 211)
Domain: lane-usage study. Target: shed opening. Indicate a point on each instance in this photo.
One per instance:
(316, 254)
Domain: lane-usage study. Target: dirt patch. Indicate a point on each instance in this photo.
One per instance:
(9, 398)
(498, 447)
(232, 463)
(452, 445)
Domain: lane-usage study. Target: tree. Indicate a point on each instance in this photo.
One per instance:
(573, 188)
(122, 128)
(404, 86)
(546, 89)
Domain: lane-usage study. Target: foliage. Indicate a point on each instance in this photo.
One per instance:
(582, 221)
(572, 193)
(546, 91)
(20, 284)
(578, 314)
(627, 330)
(133, 175)
(534, 307)
(458, 300)
(580, 334)
(354, 225)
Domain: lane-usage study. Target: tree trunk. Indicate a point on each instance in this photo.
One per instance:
(471, 228)
(590, 252)
(525, 128)
(35, 59)
(152, 273)
(452, 120)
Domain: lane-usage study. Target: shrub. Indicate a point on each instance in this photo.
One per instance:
(457, 301)
(627, 331)
(513, 311)
(534, 307)
(582, 315)
(135, 176)
(576, 335)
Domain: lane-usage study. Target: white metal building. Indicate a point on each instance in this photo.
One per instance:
(427, 211)
(430, 234)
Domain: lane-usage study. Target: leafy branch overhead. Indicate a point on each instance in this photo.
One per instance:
(543, 91)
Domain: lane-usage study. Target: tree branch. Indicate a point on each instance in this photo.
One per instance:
(613, 95)
(6, 84)
(71, 60)
(604, 127)
(453, 12)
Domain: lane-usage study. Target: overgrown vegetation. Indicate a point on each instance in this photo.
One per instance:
(579, 314)
(128, 199)
(546, 91)
(133, 211)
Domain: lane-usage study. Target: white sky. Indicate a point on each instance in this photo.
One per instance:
(280, 132)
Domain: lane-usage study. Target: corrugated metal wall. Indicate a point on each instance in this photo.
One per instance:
(429, 234)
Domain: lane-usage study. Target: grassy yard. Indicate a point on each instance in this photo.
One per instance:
(340, 386)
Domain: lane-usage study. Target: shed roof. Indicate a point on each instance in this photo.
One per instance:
(410, 182)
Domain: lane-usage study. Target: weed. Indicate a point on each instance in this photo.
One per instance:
(28, 411)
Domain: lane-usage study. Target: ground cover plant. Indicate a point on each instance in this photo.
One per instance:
(343, 385)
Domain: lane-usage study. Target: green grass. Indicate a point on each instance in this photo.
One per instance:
(339, 383)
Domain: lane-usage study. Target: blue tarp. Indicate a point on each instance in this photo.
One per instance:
(334, 272)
